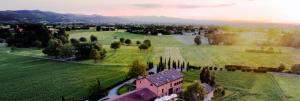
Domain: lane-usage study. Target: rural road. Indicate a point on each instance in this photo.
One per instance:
(114, 91)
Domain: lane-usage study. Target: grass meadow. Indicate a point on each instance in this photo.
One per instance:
(243, 86)
(26, 78)
(290, 85)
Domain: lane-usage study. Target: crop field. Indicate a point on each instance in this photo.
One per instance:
(244, 86)
(224, 55)
(26, 78)
(290, 85)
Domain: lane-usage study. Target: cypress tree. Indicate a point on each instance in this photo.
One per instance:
(178, 64)
(169, 63)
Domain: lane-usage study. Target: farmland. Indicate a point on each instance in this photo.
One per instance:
(26, 78)
(243, 86)
(290, 85)
(222, 55)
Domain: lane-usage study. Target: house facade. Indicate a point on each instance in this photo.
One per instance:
(163, 83)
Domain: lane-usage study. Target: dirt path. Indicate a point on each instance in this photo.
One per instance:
(173, 53)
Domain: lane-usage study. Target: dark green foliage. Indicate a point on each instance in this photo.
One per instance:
(128, 41)
(115, 45)
(207, 77)
(195, 92)
(137, 69)
(138, 42)
(26, 35)
(93, 38)
(174, 65)
(197, 40)
(54, 48)
(169, 63)
(143, 47)
(147, 42)
(82, 39)
(122, 40)
(150, 65)
(98, 28)
(219, 92)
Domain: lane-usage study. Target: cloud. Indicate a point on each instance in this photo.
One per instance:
(182, 6)
(204, 6)
(147, 5)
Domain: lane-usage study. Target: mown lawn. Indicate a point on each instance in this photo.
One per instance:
(106, 37)
(290, 85)
(235, 55)
(33, 79)
(243, 86)
(124, 56)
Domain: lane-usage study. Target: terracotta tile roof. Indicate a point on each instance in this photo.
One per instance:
(164, 77)
(137, 95)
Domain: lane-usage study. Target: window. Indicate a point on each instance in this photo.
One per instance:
(162, 90)
(171, 85)
(140, 81)
(151, 84)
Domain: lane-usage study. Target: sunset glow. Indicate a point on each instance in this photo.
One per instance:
(283, 11)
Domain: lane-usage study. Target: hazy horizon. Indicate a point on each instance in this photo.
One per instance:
(274, 11)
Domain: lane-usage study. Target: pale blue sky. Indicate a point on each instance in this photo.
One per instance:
(245, 10)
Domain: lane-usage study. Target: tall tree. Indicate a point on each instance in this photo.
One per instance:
(195, 92)
(169, 63)
(137, 69)
(93, 38)
(95, 54)
(197, 40)
(128, 41)
(115, 45)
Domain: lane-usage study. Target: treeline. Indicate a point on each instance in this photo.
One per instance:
(290, 40)
(162, 29)
(28, 35)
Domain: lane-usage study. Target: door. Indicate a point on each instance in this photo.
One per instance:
(170, 91)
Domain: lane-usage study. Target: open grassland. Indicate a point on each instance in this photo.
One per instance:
(124, 56)
(33, 79)
(106, 37)
(290, 85)
(226, 55)
(243, 86)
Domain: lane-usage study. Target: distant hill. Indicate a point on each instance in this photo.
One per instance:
(37, 16)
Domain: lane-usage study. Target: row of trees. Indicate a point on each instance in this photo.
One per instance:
(164, 64)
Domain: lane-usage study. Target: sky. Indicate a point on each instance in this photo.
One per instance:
(278, 11)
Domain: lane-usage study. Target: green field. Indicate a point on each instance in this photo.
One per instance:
(290, 85)
(106, 37)
(227, 55)
(244, 86)
(25, 78)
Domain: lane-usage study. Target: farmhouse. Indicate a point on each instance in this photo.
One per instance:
(154, 86)
(160, 85)
(163, 83)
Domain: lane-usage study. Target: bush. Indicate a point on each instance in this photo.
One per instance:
(128, 41)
